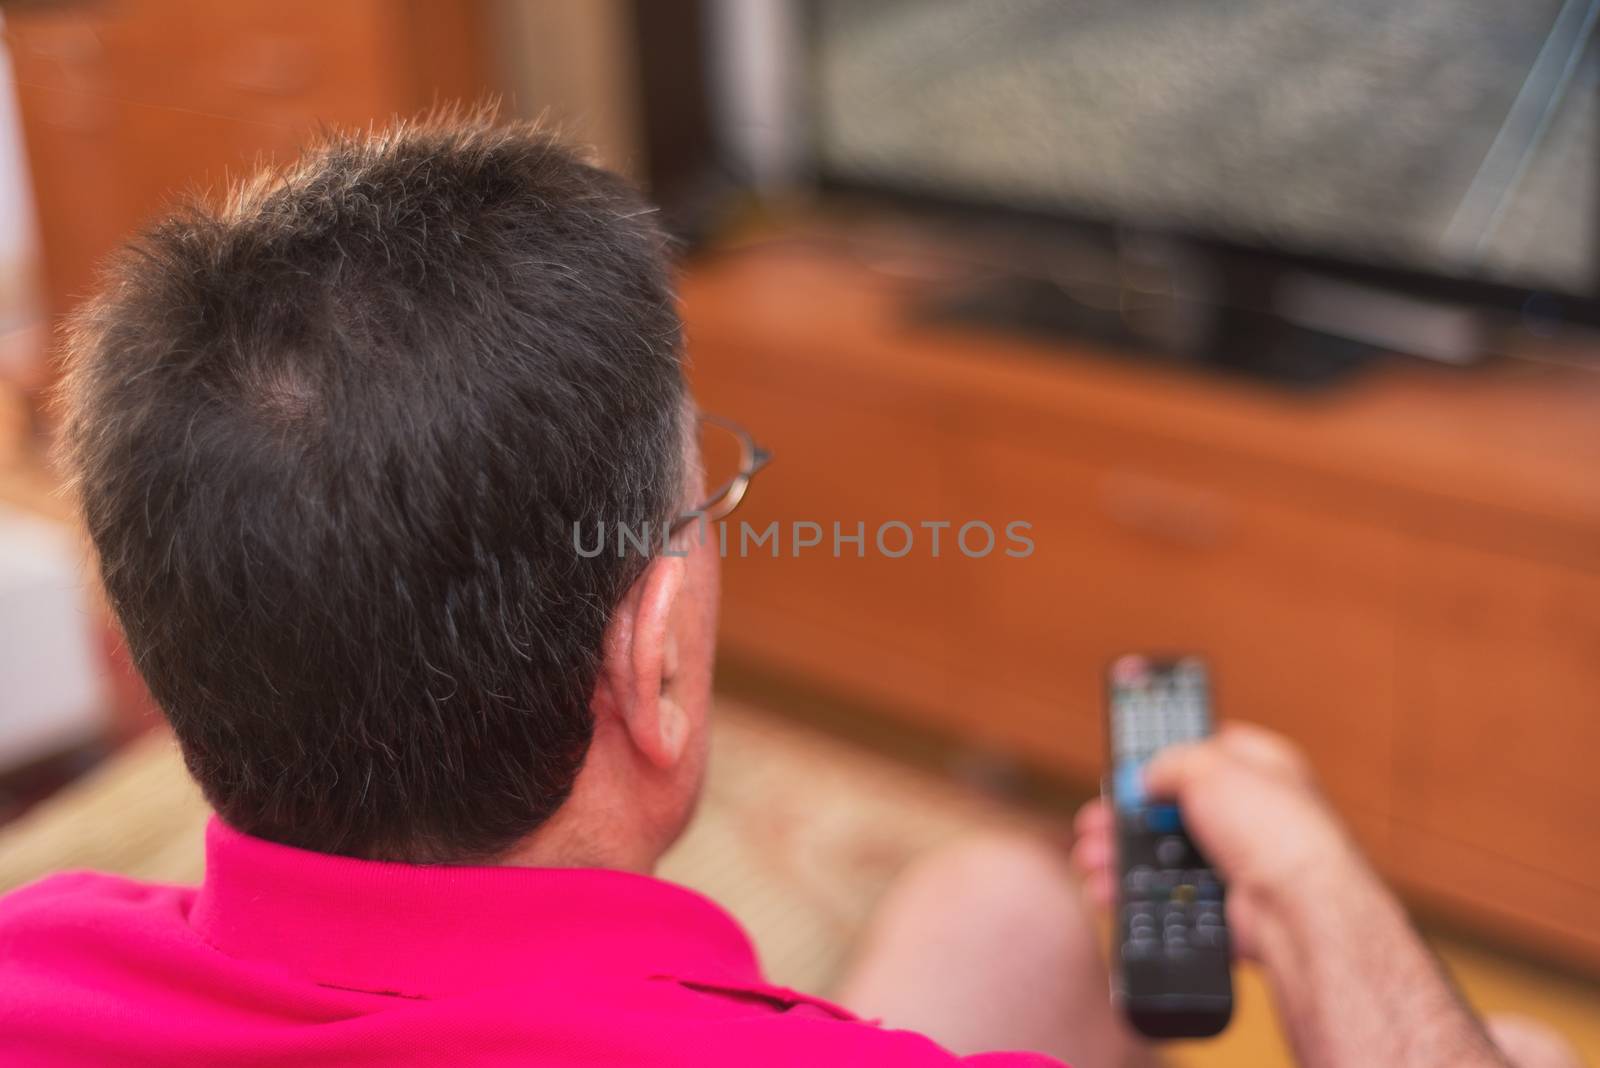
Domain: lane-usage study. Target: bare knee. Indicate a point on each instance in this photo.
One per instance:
(1006, 888)
(987, 944)
(1527, 1043)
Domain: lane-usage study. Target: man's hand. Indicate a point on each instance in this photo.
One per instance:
(1353, 982)
(1251, 803)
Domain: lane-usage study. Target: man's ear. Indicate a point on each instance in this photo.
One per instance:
(641, 657)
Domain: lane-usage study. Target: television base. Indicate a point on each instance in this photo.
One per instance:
(1157, 329)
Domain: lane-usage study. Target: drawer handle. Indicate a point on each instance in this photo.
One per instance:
(1183, 515)
(272, 66)
(74, 45)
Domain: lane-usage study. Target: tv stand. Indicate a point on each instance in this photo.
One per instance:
(1252, 343)
(1403, 573)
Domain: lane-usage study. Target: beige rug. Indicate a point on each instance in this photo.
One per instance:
(799, 835)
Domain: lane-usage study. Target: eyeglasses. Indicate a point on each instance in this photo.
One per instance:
(730, 458)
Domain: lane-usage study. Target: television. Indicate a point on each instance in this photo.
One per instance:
(1443, 153)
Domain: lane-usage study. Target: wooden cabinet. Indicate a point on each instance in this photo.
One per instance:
(1498, 740)
(1403, 574)
(128, 105)
(854, 456)
(1293, 611)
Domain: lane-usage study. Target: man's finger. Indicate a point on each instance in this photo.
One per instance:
(1170, 772)
(1093, 816)
(1092, 851)
(1264, 749)
(1099, 887)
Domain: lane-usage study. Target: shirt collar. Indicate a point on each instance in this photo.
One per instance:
(425, 931)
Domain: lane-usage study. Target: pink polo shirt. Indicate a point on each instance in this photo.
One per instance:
(286, 957)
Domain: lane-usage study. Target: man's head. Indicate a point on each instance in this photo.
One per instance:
(330, 443)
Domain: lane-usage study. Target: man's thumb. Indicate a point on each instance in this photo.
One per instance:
(1169, 772)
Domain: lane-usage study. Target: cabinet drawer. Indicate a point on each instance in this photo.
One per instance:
(1294, 611)
(858, 621)
(1497, 751)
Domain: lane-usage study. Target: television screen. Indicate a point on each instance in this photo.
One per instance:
(1451, 137)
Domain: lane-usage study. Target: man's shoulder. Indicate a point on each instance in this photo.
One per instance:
(80, 898)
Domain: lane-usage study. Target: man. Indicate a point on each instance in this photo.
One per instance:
(331, 443)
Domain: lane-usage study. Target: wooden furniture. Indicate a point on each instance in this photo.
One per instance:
(126, 106)
(1403, 573)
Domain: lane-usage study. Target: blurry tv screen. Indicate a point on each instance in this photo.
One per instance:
(1451, 137)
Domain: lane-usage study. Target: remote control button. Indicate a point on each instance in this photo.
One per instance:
(1171, 851)
(1140, 879)
(1183, 893)
(1133, 952)
(1163, 819)
(1211, 937)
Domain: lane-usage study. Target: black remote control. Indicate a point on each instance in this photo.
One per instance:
(1170, 963)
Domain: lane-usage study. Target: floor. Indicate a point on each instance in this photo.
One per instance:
(800, 832)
